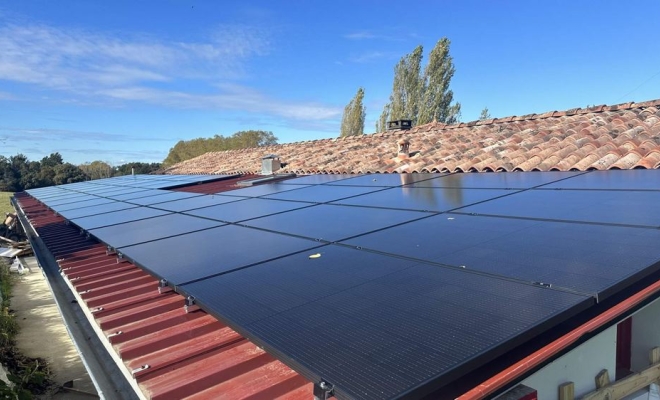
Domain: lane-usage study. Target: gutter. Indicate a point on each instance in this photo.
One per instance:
(108, 380)
(546, 353)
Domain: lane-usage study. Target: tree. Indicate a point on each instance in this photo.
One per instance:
(484, 114)
(352, 122)
(137, 167)
(97, 170)
(422, 97)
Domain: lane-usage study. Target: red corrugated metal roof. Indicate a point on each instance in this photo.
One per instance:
(217, 186)
(190, 355)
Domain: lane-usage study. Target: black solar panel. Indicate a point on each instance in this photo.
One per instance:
(87, 201)
(262, 190)
(323, 193)
(192, 203)
(316, 179)
(246, 209)
(425, 199)
(612, 207)
(385, 180)
(100, 209)
(117, 217)
(162, 198)
(332, 223)
(499, 180)
(376, 326)
(414, 295)
(206, 253)
(146, 230)
(590, 259)
(636, 179)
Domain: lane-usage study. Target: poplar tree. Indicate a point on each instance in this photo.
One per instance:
(352, 122)
(485, 114)
(422, 97)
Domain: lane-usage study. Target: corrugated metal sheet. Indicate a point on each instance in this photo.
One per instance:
(172, 354)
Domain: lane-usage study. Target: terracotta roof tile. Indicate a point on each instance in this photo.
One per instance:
(601, 137)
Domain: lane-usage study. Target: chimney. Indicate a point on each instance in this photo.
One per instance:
(270, 164)
(399, 124)
(404, 148)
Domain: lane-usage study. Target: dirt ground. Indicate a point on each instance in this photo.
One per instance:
(43, 334)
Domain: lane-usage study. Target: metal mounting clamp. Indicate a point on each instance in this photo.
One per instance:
(323, 390)
(190, 305)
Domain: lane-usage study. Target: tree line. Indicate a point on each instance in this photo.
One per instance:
(187, 149)
(18, 173)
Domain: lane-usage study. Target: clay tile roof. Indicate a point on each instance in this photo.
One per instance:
(621, 136)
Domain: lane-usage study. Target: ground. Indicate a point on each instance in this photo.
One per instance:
(5, 206)
(40, 323)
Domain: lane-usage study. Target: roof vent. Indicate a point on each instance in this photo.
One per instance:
(270, 164)
(399, 124)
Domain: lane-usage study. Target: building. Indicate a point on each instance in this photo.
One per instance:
(432, 282)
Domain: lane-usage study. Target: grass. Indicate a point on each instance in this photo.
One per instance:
(5, 205)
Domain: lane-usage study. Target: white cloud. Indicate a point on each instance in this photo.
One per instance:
(232, 97)
(361, 35)
(371, 56)
(91, 68)
(76, 60)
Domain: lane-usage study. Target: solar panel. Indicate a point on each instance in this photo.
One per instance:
(87, 202)
(192, 203)
(262, 190)
(137, 195)
(246, 209)
(145, 230)
(117, 217)
(206, 253)
(612, 207)
(636, 179)
(67, 199)
(323, 193)
(407, 299)
(332, 223)
(162, 198)
(100, 209)
(317, 179)
(384, 180)
(589, 259)
(497, 180)
(376, 326)
(426, 199)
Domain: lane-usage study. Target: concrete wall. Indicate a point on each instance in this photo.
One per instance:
(579, 366)
(645, 335)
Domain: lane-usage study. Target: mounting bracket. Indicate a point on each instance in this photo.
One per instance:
(323, 390)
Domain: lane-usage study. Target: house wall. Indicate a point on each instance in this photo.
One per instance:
(645, 335)
(579, 366)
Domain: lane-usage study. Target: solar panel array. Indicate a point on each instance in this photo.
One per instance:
(384, 285)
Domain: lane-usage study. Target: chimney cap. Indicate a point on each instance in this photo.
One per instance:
(399, 124)
(403, 141)
(270, 157)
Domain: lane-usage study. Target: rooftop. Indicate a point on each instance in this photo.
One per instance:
(623, 136)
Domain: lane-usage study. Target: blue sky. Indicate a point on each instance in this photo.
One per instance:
(123, 81)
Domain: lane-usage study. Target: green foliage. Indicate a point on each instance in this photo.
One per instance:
(422, 97)
(185, 150)
(17, 173)
(97, 170)
(352, 122)
(5, 205)
(485, 114)
(137, 167)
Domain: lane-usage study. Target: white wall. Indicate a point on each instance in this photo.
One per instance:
(645, 334)
(580, 366)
